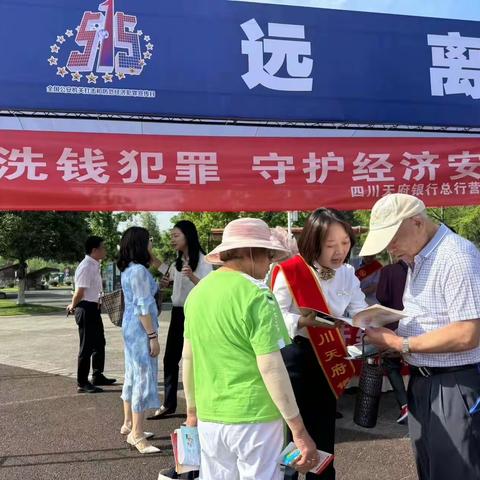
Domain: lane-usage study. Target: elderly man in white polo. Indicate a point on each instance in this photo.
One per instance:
(440, 338)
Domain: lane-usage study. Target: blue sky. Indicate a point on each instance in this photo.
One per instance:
(458, 9)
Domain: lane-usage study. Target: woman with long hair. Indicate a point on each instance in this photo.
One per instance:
(140, 336)
(189, 268)
(318, 279)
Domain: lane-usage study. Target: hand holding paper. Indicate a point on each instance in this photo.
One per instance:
(291, 454)
(186, 449)
(384, 339)
(373, 316)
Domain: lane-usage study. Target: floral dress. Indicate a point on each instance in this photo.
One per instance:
(141, 370)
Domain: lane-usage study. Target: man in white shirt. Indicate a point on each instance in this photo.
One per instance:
(85, 304)
(439, 338)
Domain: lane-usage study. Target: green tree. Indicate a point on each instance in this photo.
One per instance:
(206, 221)
(149, 221)
(464, 220)
(468, 224)
(163, 248)
(56, 236)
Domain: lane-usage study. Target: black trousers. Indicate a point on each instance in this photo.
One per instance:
(393, 366)
(92, 340)
(314, 397)
(445, 436)
(172, 357)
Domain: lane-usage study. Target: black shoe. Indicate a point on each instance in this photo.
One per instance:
(102, 380)
(338, 415)
(161, 412)
(351, 391)
(170, 473)
(167, 474)
(88, 388)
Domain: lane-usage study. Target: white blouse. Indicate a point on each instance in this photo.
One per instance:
(342, 292)
(182, 285)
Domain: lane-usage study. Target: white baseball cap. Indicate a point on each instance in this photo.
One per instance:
(387, 215)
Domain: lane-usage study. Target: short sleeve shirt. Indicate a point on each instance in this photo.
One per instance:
(442, 288)
(232, 318)
(88, 276)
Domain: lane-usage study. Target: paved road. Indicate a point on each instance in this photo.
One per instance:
(51, 432)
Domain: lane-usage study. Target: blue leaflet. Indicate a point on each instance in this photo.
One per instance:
(191, 445)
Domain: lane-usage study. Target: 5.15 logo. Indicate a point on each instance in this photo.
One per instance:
(107, 45)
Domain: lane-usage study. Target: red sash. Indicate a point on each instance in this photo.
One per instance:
(363, 272)
(327, 342)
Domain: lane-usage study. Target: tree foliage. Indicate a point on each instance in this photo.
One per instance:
(148, 221)
(57, 236)
(206, 221)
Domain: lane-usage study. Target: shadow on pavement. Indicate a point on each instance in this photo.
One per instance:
(50, 432)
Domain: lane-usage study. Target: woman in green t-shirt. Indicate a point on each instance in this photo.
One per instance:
(236, 384)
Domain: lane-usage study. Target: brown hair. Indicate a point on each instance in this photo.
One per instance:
(314, 232)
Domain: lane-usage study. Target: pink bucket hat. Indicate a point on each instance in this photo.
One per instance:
(246, 233)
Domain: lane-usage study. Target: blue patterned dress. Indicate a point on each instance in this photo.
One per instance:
(141, 370)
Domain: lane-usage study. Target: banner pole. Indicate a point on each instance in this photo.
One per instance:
(289, 223)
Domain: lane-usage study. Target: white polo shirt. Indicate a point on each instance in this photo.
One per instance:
(87, 276)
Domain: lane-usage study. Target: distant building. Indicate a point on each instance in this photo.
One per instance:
(34, 279)
(8, 274)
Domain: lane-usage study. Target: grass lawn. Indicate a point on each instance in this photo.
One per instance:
(10, 308)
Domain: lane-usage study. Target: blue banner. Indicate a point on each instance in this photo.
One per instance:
(238, 60)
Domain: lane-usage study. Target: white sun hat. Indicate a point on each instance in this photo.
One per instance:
(246, 233)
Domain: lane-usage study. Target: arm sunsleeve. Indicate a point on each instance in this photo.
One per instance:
(188, 375)
(275, 377)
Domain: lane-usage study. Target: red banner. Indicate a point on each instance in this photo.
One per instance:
(83, 171)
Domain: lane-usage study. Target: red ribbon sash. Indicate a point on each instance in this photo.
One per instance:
(327, 342)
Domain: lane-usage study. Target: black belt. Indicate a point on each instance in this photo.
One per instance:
(429, 371)
(87, 304)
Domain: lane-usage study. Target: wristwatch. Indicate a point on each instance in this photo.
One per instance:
(406, 345)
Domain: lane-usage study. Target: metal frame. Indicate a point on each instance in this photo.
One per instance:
(242, 122)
